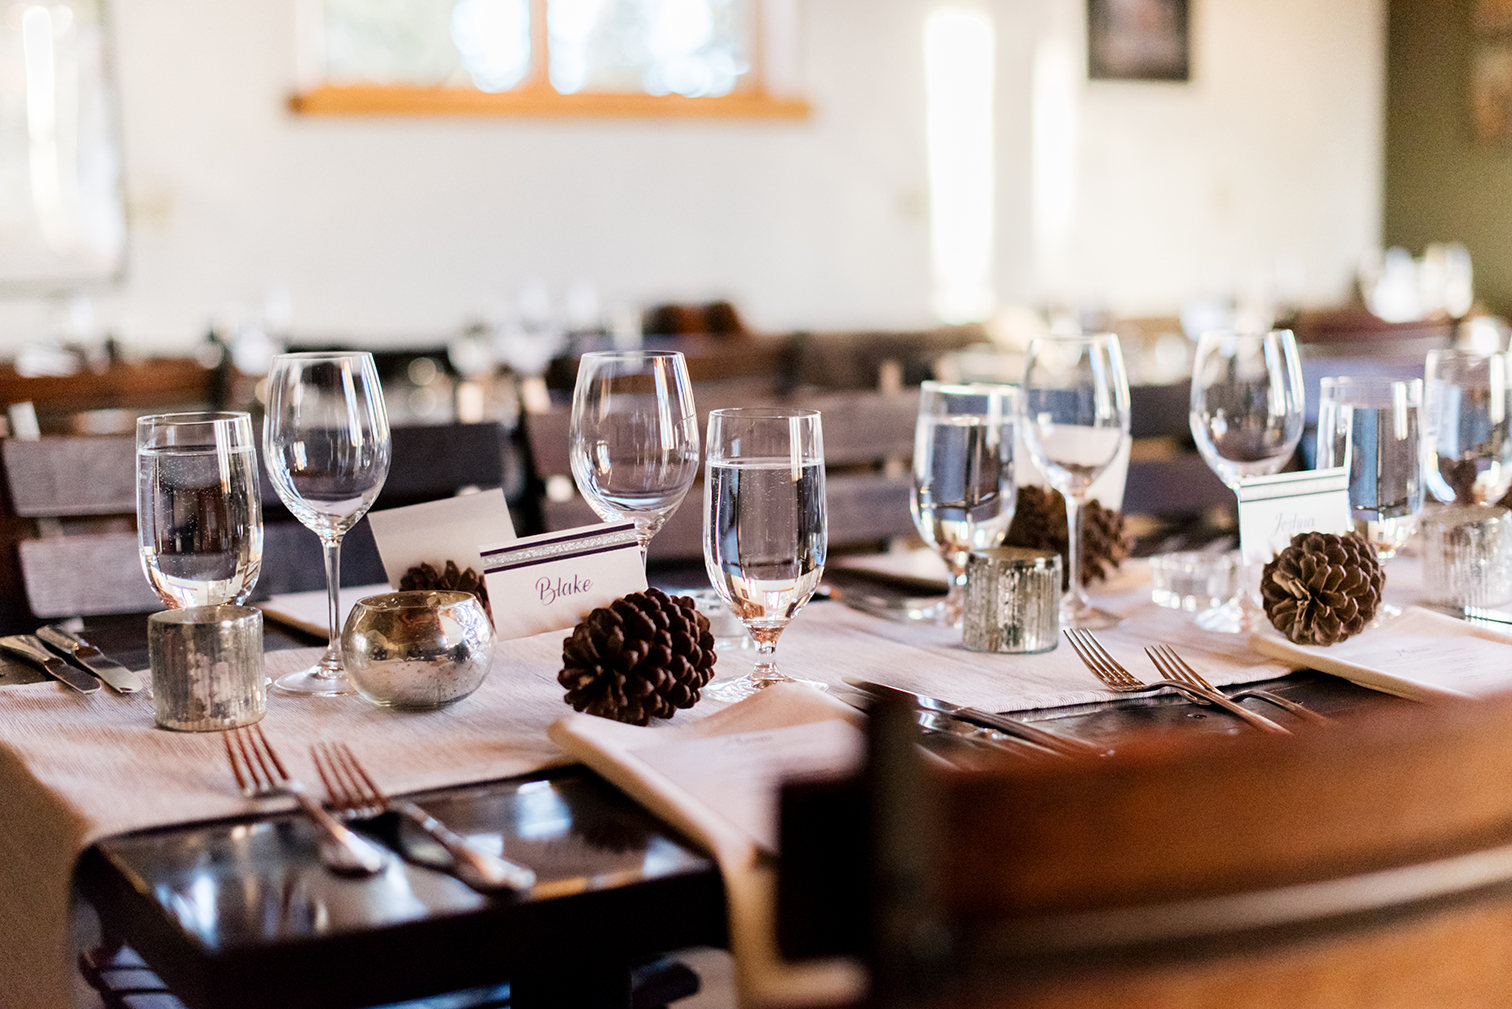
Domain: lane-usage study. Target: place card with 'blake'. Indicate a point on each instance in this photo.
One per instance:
(551, 581)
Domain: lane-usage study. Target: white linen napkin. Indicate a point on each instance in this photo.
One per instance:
(658, 767)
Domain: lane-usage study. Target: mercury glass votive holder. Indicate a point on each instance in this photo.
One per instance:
(207, 672)
(417, 651)
(1467, 555)
(1012, 600)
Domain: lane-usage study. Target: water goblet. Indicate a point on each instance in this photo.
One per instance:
(1246, 417)
(199, 511)
(1467, 425)
(1076, 419)
(634, 436)
(962, 498)
(327, 448)
(765, 526)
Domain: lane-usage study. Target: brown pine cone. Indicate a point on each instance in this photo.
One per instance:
(641, 657)
(425, 576)
(1322, 588)
(1039, 522)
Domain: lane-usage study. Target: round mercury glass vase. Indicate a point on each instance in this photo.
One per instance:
(417, 651)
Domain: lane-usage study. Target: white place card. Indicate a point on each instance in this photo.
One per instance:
(1273, 509)
(551, 581)
(439, 531)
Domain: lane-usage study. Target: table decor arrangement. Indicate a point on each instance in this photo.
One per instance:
(1467, 555)
(1323, 588)
(207, 667)
(1012, 600)
(646, 655)
(417, 650)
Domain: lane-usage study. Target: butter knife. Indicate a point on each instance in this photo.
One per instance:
(31, 648)
(115, 675)
(976, 716)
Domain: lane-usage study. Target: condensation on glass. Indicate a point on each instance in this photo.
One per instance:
(62, 216)
(659, 47)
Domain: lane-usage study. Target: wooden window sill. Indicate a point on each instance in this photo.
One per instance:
(542, 102)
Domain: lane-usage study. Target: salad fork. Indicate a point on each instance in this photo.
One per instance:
(260, 774)
(351, 790)
(1096, 658)
(1177, 669)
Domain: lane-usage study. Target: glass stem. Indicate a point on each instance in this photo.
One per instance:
(330, 663)
(1076, 596)
(766, 654)
(955, 598)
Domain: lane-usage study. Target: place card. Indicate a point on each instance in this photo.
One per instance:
(1273, 509)
(551, 581)
(439, 531)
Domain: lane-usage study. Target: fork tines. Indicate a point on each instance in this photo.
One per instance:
(1096, 658)
(348, 785)
(253, 759)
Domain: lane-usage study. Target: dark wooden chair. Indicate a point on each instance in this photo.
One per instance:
(1365, 865)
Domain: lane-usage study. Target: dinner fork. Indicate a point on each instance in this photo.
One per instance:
(351, 790)
(1177, 669)
(1096, 658)
(260, 774)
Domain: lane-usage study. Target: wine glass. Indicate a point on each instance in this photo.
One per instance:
(1076, 419)
(1371, 425)
(199, 511)
(1467, 425)
(634, 436)
(765, 526)
(963, 492)
(326, 443)
(1246, 417)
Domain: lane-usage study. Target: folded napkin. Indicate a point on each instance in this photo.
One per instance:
(1419, 654)
(311, 611)
(677, 773)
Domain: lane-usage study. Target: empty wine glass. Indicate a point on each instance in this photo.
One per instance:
(765, 526)
(199, 511)
(963, 493)
(1467, 425)
(1076, 418)
(1246, 417)
(1371, 425)
(634, 436)
(326, 444)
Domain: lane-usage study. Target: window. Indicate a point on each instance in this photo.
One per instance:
(547, 57)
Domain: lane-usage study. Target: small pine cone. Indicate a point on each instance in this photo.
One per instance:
(1039, 522)
(1322, 588)
(641, 657)
(425, 576)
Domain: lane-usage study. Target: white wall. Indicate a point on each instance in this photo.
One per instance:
(396, 230)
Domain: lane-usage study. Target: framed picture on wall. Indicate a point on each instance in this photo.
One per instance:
(1138, 40)
(1491, 72)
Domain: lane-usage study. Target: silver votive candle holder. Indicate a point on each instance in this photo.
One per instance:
(207, 670)
(1012, 600)
(1467, 555)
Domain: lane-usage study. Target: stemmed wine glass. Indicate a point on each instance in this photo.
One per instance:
(1372, 426)
(326, 443)
(1076, 419)
(963, 491)
(765, 526)
(1246, 417)
(634, 436)
(199, 512)
(1467, 425)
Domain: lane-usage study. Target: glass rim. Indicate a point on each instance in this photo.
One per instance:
(1246, 334)
(1103, 335)
(630, 354)
(763, 412)
(189, 417)
(1368, 388)
(321, 355)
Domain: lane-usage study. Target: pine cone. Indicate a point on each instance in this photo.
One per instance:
(641, 657)
(1322, 588)
(1039, 522)
(425, 576)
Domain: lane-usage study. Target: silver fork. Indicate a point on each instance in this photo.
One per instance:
(1177, 669)
(1116, 677)
(352, 790)
(260, 774)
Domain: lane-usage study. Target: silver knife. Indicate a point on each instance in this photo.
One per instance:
(31, 648)
(116, 676)
(954, 732)
(976, 716)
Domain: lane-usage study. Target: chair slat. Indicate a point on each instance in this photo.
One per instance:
(87, 573)
(57, 477)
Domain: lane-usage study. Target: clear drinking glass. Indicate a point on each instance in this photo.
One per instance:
(199, 512)
(765, 526)
(1246, 417)
(1467, 425)
(326, 445)
(634, 436)
(963, 491)
(1076, 418)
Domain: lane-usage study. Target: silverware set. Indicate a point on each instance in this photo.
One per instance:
(352, 794)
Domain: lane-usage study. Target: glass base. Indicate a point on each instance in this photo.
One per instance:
(1237, 616)
(325, 678)
(743, 686)
(1087, 617)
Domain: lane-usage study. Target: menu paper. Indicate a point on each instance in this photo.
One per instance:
(439, 531)
(551, 581)
(1273, 509)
